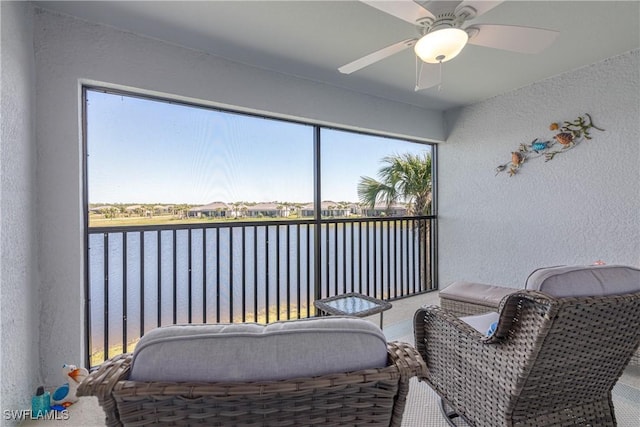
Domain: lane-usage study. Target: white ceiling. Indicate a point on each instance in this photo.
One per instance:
(311, 39)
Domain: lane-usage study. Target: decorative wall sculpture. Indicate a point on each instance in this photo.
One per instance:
(568, 136)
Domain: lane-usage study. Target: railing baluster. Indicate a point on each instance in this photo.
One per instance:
(344, 257)
(388, 259)
(204, 275)
(277, 272)
(400, 244)
(288, 255)
(402, 282)
(430, 258)
(106, 296)
(326, 260)
(424, 257)
(141, 283)
(368, 248)
(415, 247)
(424, 281)
(255, 273)
(360, 275)
(375, 260)
(395, 258)
(298, 273)
(217, 275)
(382, 253)
(190, 271)
(175, 278)
(159, 263)
(335, 257)
(266, 274)
(419, 257)
(244, 276)
(405, 257)
(411, 250)
(417, 261)
(353, 283)
(231, 318)
(309, 270)
(124, 291)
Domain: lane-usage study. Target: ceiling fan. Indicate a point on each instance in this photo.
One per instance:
(443, 35)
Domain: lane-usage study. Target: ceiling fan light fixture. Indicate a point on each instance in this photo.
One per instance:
(441, 45)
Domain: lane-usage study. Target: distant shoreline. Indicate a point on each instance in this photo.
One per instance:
(170, 220)
(101, 215)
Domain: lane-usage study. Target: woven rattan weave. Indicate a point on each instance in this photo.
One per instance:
(464, 308)
(552, 361)
(374, 397)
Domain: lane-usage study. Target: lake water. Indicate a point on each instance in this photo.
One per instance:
(239, 274)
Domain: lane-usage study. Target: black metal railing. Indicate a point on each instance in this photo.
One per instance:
(139, 278)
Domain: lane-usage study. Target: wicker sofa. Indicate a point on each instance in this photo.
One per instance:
(549, 360)
(371, 396)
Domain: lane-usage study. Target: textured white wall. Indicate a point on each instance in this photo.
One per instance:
(70, 51)
(19, 303)
(580, 207)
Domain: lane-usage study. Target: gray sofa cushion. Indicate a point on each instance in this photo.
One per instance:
(253, 352)
(580, 281)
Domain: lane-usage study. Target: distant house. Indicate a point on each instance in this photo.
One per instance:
(162, 209)
(355, 208)
(212, 210)
(135, 210)
(269, 210)
(107, 210)
(102, 209)
(384, 210)
(328, 208)
(307, 210)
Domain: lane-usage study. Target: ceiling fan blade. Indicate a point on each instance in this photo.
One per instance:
(376, 56)
(481, 7)
(512, 38)
(427, 75)
(407, 10)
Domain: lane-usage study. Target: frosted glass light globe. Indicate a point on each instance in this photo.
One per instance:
(441, 45)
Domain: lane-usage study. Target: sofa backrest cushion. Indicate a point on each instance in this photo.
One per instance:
(582, 281)
(247, 352)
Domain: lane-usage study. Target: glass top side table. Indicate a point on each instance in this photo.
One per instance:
(352, 304)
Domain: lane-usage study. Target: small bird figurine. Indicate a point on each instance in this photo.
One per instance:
(65, 395)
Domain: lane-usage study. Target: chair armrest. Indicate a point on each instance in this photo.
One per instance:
(407, 359)
(456, 354)
(430, 318)
(444, 319)
(101, 382)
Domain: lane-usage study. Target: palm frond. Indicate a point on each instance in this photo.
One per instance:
(371, 191)
(405, 177)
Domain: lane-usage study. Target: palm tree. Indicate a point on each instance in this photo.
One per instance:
(404, 178)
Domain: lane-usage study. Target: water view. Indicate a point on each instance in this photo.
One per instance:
(201, 215)
(260, 273)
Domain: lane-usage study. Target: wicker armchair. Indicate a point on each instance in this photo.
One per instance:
(371, 397)
(551, 361)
